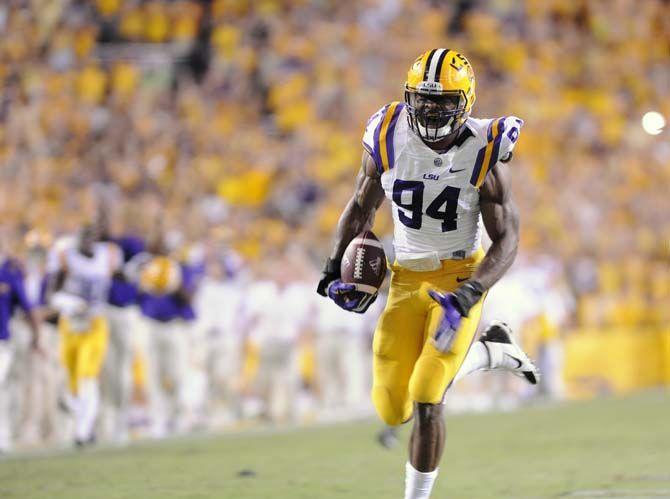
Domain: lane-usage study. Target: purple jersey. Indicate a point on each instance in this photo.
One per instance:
(12, 293)
(123, 293)
(130, 245)
(167, 307)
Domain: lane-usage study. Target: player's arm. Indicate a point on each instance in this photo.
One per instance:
(501, 219)
(56, 279)
(358, 215)
(28, 308)
(31, 317)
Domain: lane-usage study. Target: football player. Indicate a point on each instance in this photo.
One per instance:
(165, 298)
(78, 290)
(277, 316)
(122, 315)
(444, 173)
(12, 294)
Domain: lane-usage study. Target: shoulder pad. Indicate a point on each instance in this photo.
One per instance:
(501, 136)
(378, 139)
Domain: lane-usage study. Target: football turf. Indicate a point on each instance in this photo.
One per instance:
(604, 448)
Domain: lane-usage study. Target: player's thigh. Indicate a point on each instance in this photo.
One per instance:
(68, 345)
(93, 349)
(397, 343)
(176, 350)
(434, 370)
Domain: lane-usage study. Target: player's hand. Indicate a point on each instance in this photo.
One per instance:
(346, 296)
(36, 347)
(445, 335)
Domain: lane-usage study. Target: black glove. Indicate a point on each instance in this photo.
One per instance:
(467, 296)
(331, 272)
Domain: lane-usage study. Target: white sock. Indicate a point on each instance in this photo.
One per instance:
(71, 401)
(476, 360)
(89, 402)
(417, 484)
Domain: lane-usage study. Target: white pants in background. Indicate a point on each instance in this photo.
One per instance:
(224, 367)
(550, 363)
(278, 379)
(6, 395)
(41, 379)
(167, 371)
(29, 387)
(116, 378)
(341, 371)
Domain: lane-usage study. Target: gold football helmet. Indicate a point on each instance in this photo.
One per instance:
(439, 93)
(161, 275)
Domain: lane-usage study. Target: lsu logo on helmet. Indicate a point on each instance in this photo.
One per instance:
(160, 275)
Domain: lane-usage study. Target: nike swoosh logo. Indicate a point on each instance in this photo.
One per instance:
(451, 170)
(514, 358)
(459, 279)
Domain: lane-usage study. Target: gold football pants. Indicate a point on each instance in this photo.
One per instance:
(83, 352)
(406, 366)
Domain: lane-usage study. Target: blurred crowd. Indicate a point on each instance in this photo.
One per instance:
(235, 126)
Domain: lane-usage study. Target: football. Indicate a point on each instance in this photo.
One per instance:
(364, 263)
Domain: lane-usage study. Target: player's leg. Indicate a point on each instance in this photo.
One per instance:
(69, 400)
(51, 377)
(108, 382)
(120, 333)
(176, 342)
(432, 375)
(155, 370)
(496, 349)
(90, 358)
(32, 394)
(68, 347)
(332, 370)
(396, 346)
(5, 410)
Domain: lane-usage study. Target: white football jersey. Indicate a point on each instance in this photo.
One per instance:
(88, 278)
(435, 197)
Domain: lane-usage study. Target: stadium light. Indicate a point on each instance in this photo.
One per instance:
(653, 122)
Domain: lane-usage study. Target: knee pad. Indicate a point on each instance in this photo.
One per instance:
(392, 409)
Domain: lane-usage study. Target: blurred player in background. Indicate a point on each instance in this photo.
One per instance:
(12, 294)
(277, 315)
(165, 295)
(220, 305)
(123, 319)
(341, 353)
(42, 374)
(440, 169)
(79, 286)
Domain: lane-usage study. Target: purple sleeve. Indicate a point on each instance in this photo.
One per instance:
(20, 297)
(189, 277)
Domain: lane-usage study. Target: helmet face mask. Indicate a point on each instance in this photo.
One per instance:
(435, 115)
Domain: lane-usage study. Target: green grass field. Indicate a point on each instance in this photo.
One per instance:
(605, 448)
